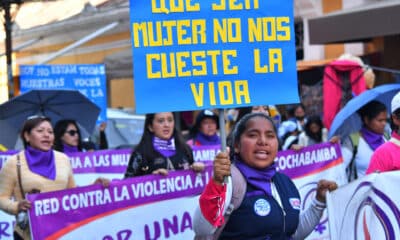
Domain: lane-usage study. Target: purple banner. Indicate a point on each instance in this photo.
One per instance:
(309, 160)
(74, 207)
(104, 161)
(306, 161)
(115, 161)
(205, 153)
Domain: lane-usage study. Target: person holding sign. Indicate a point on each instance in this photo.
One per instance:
(38, 168)
(161, 148)
(256, 202)
(204, 131)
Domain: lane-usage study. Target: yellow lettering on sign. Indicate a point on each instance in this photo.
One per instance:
(173, 6)
(149, 59)
(235, 5)
(268, 29)
(195, 63)
(169, 32)
(227, 30)
(274, 61)
(226, 93)
(283, 28)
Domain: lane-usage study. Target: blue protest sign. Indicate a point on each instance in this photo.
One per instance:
(194, 54)
(89, 79)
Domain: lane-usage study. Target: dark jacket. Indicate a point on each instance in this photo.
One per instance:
(264, 216)
(138, 166)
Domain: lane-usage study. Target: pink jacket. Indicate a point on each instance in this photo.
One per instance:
(333, 86)
(386, 157)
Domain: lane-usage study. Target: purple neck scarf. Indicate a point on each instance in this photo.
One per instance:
(258, 178)
(208, 140)
(70, 149)
(374, 140)
(164, 147)
(41, 162)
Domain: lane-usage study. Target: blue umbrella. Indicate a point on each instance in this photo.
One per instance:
(55, 104)
(348, 121)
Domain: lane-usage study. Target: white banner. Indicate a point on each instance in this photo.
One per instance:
(366, 209)
(306, 167)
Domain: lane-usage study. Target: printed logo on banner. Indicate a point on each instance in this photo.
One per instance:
(377, 215)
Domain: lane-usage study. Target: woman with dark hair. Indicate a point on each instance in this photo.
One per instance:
(67, 136)
(265, 109)
(358, 149)
(205, 130)
(259, 108)
(269, 205)
(37, 168)
(289, 135)
(298, 114)
(386, 156)
(314, 132)
(161, 148)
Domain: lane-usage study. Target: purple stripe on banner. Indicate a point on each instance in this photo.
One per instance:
(389, 231)
(389, 202)
(66, 207)
(205, 153)
(115, 161)
(360, 185)
(105, 161)
(308, 160)
(381, 215)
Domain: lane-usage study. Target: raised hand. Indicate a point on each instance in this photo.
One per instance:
(222, 166)
(322, 187)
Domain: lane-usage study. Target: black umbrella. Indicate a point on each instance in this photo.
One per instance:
(55, 104)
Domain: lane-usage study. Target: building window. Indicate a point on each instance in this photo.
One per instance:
(299, 34)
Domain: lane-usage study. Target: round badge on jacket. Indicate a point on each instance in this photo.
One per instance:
(262, 207)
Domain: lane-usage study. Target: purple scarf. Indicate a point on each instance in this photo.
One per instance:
(374, 140)
(208, 140)
(41, 162)
(70, 149)
(258, 178)
(164, 147)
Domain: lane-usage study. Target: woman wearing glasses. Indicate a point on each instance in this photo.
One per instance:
(37, 168)
(67, 136)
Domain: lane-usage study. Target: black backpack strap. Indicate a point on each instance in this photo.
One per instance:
(352, 173)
